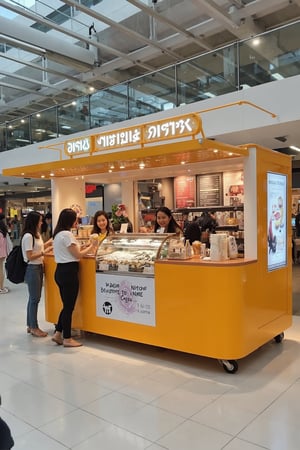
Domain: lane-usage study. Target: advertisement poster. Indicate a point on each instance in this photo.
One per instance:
(126, 298)
(276, 221)
(184, 188)
(233, 188)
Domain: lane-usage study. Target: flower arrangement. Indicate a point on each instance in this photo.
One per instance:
(119, 214)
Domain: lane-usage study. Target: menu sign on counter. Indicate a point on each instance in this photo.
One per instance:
(210, 190)
(276, 220)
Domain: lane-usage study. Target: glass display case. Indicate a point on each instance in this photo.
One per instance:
(132, 252)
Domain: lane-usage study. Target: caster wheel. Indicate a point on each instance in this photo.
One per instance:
(229, 365)
(279, 338)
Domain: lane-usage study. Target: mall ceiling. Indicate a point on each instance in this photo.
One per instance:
(53, 52)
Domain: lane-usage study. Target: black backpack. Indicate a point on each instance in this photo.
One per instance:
(15, 266)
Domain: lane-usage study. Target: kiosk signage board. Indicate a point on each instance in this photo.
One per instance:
(276, 220)
(125, 298)
(171, 128)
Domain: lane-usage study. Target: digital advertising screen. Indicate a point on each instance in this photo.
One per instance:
(276, 220)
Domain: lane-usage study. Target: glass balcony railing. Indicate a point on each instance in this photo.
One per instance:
(264, 58)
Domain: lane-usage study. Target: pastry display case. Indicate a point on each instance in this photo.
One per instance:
(132, 252)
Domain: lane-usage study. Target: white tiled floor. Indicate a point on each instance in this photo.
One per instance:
(117, 395)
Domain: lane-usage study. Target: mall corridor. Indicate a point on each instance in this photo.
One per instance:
(116, 395)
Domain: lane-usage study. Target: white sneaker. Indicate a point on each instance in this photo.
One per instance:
(4, 290)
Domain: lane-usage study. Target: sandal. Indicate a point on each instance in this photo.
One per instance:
(57, 338)
(38, 333)
(71, 343)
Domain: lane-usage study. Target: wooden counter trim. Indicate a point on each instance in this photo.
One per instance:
(196, 261)
(84, 257)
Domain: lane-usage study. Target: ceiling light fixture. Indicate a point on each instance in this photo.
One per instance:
(277, 76)
(256, 42)
(142, 165)
(293, 147)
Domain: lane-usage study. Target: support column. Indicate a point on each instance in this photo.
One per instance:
(66, 193)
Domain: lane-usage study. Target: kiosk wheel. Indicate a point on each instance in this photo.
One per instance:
(229, 365)
(279, 338)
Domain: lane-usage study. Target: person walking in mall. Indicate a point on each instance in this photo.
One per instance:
(165, 222)
(67, 254)
(33, 249)
(15, 228)
(4, 236)
(101, 225)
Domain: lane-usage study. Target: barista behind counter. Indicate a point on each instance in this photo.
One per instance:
(200, 229)
(165, 222)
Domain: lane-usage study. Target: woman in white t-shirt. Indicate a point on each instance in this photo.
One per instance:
(33, 249)
(67, 253)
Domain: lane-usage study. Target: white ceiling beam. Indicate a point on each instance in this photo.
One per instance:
(151, 12)
(228, 21)
(29, 80)
(121, 28)
(74, 54)
(52, 53)
(41, 68)
(23, 89)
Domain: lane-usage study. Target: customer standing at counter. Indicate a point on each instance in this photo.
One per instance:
(33, 249)
(165, 222)
(101, 225)
(67, 254)
(4, 236)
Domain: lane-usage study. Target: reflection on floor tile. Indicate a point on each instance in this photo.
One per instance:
(118, 395)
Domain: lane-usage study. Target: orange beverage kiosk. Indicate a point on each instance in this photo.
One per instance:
(223, 309)
(218, 308)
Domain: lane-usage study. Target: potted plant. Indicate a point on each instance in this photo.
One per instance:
(119, 215)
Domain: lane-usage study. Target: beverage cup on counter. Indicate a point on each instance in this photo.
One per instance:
(94, 238)
(196, 245)
(203, 251)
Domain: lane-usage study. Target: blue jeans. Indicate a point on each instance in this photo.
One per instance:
(34, 280)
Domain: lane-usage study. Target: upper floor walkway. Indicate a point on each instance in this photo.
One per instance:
(216, 77)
